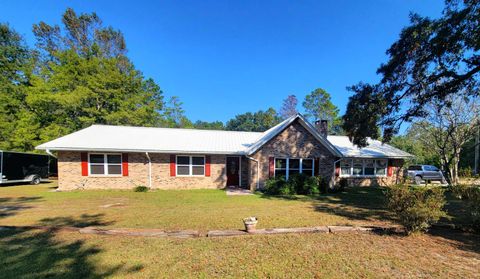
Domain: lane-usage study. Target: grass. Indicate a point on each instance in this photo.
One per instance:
(193, 209)
(59, 254)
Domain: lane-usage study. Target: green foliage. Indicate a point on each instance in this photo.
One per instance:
(298, 184)
(215, 125)
(278, 186)
(471, 196)
(259, 121)
(141, 189)
(465, 172)
(416, 141)
(15, 68)
(318, 106)
(432, 59)
(417, 208)
(77, 76)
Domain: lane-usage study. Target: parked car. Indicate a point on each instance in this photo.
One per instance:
(420, 173)
(17, 167)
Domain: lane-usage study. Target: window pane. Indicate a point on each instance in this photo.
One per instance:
(183, 160)
(369, 163)
(114, 159)
(380, 172)
(357, 167)
(96, 158)
(280, 163)
(307, 164)
(114, 169)
(307, 172)
(345, 163)
(198, 161)
(97, 169)
(369, 171)
(198, 170)
(293, 172)
(183, 170)
(294, 164)
(346, 171)
(381, 163)
(279, 173)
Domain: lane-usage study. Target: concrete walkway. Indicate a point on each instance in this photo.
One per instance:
(236, 191)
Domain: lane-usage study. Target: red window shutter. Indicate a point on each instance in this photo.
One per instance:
(337, 169)
(207, 165)
(271, 166)
(390, 168)
(317, 167)
(172, 165)
(84, 159)
(125, 164)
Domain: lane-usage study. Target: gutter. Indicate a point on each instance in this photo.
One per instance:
(149, 170)
(258, 170)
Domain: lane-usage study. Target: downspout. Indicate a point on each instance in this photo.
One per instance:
(258, 170)
(332, 181)
(149, 170)
(50, 153)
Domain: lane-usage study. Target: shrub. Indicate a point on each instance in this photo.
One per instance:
(141, 189)
(297, 183)
(311, 185)
(471, 196)
(465, 172)
(278, 186)
(417, 208)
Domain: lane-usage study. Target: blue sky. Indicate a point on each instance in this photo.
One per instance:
(224, 58)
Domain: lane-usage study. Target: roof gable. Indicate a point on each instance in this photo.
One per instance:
(276, 130)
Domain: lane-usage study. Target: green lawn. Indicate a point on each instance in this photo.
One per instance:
(58, 254)
(184, 209)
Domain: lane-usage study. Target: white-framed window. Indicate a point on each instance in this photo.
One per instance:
(290, 166)
(104, 164)
(363, 167)
(190, 165)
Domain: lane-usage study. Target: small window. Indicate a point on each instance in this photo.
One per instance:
(369, 167)
(307, 167)
(293, 166)
(280, 167)
(380, 167)
(190, 165)
(105, 164)
(357, 167)
(346, 167)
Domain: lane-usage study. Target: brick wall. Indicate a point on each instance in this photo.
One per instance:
(397, 176)
(295, 142)
(70, 178)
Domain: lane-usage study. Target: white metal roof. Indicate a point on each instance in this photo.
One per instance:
(143, 139)
(375, 149)
(171, 140)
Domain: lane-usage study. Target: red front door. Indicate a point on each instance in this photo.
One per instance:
(233, 171)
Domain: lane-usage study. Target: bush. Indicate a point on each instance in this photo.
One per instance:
(465, 172)
(417, 208)
(278, 186)
(296, 184)
(311, 185)
(471, 196)
(141, 189)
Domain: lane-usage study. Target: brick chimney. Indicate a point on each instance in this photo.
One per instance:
(322, 127)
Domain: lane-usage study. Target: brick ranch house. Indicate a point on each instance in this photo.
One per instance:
(119, 157)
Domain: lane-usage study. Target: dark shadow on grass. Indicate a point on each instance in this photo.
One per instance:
(29, 253)
(85, 220)
(468, 241)
(356, 203)
(12, 206)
